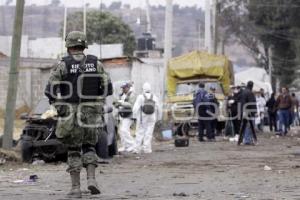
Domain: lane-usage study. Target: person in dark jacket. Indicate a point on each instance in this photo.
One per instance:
(271, 105)
(235, 108)
(249, 111)
(201, 110)
(212, 111)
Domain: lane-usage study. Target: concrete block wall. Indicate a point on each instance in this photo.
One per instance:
(31, 86)
(33, 75)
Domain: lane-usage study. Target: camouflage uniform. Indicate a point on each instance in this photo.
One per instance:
(68, 128)
(80, 118)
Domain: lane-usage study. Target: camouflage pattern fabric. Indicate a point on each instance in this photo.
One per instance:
(81, 125)
(76, 38)
(75, 128)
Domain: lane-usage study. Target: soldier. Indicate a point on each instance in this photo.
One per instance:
(83, 84)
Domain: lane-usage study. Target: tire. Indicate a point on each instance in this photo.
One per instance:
(26, 149)
(113, 148)
(102, 147)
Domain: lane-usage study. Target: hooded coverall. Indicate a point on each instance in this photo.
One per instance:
(145, 122)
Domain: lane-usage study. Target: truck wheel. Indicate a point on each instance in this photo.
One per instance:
(113, 148)
(102, 147)
(26, 150)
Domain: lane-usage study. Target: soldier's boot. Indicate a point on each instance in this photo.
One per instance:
(91, 180)
(75, 191)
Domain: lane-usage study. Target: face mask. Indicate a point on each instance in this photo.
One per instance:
(235, 91)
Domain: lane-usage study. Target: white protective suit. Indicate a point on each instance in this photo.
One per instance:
(145, 122)
(127, 141)
(260, 104)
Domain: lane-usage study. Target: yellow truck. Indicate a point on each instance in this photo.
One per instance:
(184, 74)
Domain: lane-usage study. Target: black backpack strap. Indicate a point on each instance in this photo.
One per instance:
(127, 97)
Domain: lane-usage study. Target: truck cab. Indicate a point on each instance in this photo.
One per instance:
(185, 72)
(181, 105)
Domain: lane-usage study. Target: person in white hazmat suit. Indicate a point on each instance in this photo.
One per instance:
(146, 110)
(125, 105)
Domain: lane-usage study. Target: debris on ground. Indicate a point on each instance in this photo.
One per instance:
(38, 162)
(234, 139)
(182, 194)
(32, 179)
(2, 161)
(23, 169)
(267, 168)
(9, 155)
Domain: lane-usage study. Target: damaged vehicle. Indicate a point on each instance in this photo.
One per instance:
(38, 139)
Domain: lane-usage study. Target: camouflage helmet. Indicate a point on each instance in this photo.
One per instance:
(76, 38)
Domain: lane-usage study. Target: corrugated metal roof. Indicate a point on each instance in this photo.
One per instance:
(120, 60)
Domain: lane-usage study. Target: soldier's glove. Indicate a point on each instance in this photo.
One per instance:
(61, 108)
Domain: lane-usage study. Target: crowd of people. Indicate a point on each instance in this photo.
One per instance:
(283, 111)
(248, 112)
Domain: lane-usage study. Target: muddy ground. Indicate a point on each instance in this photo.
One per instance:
(220, 170)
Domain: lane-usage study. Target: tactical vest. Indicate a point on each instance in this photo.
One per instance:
(125, 112)
(84, 79)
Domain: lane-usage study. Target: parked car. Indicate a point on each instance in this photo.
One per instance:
(38, 139)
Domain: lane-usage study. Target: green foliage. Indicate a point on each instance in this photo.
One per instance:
(277, 23)
(103, 28)
(236, 25)
(260, 25)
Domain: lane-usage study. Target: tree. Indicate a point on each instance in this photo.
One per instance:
(277, 25)
(103, 28)
(260, 25)
(236, 26)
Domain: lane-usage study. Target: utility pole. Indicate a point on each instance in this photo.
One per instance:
(84, 17)
(270, 54)
(215, 27)
(208, 41)
(149, 30)
(199, 35)
(223, 43)
(64, 31)
(13, 76)
(168, 41)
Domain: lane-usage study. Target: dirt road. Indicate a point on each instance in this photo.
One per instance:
(213, 171)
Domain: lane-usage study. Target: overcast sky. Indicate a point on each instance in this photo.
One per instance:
(133, 3)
